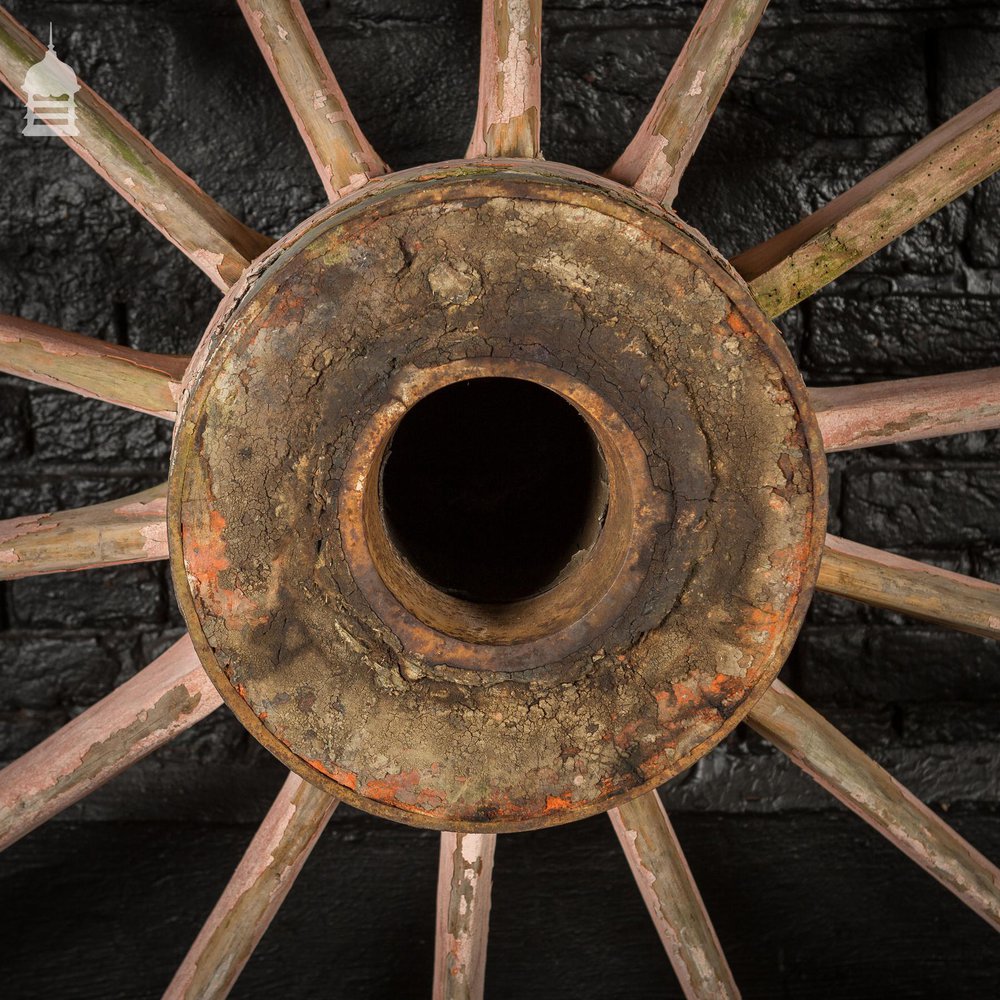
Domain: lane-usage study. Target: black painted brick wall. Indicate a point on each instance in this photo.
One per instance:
(808, 901)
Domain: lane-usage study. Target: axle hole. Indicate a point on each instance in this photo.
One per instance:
(491, 486)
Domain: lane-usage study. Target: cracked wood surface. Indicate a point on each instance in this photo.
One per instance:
(149, 383)
(867, 789)
(130, 530)
(669, 891)
(533, 266)
(862, 416)
(262, 880)
(465, 877)
(794, 264)
(154, 706)
(509, 112)
(885, 580)
(655, 160)
(217, 242)
(343, 157)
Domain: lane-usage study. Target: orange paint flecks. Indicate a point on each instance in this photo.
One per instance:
(738, 324)
(683, 695)
(625, 737)
(403, 790)
(723, 684)
(346, 778)
(206, 557)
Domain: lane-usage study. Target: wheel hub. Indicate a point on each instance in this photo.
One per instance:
(495, 497)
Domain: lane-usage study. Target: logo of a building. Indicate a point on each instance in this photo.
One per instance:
(50, 87)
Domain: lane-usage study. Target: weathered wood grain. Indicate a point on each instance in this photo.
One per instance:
(465, 877)
(343, 157)
(242, 566)
(217, 242)
(149, 383)
(655, 160)
(869, 790)
(885, 580)
(130, 530)
(669, 891)
(158, 703)
(509, 113)
(262, 880)
(799, 261)
(862, 416)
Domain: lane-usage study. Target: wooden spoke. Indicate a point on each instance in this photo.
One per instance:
(798, 262)
(860, 416)
(508, 119)
(130, 530)
(255, 892)
(672, 898)
(161, 701)
(910, 587)
(344, 159)
(149, 383)
(866, 788)
(657, 157)
(465, 878)
(219, 244)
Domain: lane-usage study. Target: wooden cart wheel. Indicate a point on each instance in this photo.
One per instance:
(495, 497)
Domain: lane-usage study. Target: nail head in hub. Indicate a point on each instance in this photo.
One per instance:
(668, 620)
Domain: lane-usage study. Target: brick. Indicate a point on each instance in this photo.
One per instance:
(837, 81)
(895, 335)
(613, 77)
(850, 666)
(68, 428)
(968, 65)
(936, 507)
(42, 672)
(15, 439)
(983, 240)
(976, 721)
(45, 680)
(116, 597)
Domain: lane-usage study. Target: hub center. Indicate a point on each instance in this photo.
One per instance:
(495, 498)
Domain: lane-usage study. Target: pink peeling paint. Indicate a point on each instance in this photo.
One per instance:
(148, 181)
(90, 367)
(675, 905)
(160, 702)
(872, 793)
(465, 874)
(508, 116)
(255, 892)
(109, 534)
(860, 416)
(343, 158)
